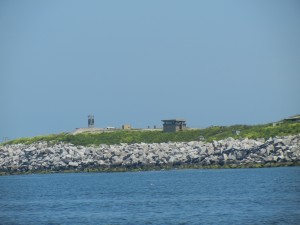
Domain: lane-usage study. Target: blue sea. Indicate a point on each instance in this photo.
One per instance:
(221, 196)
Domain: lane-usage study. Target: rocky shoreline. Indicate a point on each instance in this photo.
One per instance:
(43, 156)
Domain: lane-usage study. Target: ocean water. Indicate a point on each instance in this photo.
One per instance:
(224, 196)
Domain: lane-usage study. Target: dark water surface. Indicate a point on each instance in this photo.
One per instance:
(225, 196)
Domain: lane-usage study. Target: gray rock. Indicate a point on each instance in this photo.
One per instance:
(61, 156)
(116, 160)
(75, 164)
(231, 157)
(209, 151)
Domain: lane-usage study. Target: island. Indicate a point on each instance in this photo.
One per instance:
(238, 146)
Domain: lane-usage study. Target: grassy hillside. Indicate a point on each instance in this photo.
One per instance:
(208, 134)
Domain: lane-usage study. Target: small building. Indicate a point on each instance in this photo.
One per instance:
(126, 126)
(295, 118)
(173, 125)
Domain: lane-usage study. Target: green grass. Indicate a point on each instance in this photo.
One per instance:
(209, 134)
(257, 131)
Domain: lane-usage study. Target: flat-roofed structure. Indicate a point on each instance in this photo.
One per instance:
(126, 126)
(295, 118)
(173, 125)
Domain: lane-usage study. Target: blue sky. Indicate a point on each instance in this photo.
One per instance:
(219, 62)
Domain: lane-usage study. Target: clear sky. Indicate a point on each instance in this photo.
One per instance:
(214, 62)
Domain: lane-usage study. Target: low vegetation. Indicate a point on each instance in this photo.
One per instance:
(208, 134)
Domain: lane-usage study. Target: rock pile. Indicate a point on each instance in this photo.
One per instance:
(64, 156)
